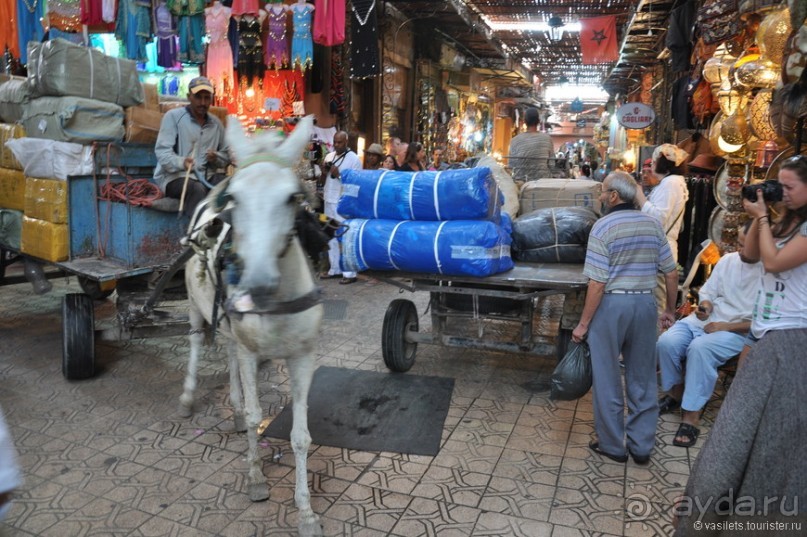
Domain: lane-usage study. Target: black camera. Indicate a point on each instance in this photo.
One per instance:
(771, 191)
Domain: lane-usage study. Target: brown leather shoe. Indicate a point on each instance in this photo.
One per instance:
(346, 281)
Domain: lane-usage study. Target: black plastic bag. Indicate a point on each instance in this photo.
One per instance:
(553, 235)
(571, 378)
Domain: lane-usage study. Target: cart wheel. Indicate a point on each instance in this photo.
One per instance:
(401, 317)
(95, 289)
(562, 342)
(78, 337)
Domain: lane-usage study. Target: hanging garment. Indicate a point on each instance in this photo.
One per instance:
(302, 46)
(337, 103)
(364, 57)
(245, 7)
(277, 44)
(191, 31)
(8, 28)
(65, 15)
(28, 27)
(134, 27)
(219, 66)
(186, 7)
(167, 40)
(329, 23)
(250, 49)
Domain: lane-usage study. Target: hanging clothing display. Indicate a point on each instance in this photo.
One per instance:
(94, 12)
(167, 39)
(65, 15)
(8, 27)
(302, 46)
(329, 23)
(219, 66)
(277, 44)
(134, 27)
(250, 49)
(28, 27)
(337, 96)
(364, 56)
(191, 24)
(245, 7)
(288, 86)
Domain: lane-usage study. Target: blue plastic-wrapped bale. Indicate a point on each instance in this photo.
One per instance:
(454, 247)
(465, 194)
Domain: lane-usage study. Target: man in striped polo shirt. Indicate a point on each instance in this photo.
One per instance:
(626, 249)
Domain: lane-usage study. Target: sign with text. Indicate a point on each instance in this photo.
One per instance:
(635, 115)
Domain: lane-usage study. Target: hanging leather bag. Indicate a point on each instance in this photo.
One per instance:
(718, 20)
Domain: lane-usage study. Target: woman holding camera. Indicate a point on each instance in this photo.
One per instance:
(762, 419)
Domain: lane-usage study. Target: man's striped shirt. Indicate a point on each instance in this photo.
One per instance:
(626, 250)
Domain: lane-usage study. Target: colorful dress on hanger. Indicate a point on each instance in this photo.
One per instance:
(167, 40)
(329, 23)
(250, 49)
(191, 22)
(133, 27)
(95, 12)
(364, 54)
(245, 7)
(302, 47)
(277, 45)
(28, 27)
(219, 67)
(8, 28)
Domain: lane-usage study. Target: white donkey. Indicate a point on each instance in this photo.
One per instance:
(263, 197)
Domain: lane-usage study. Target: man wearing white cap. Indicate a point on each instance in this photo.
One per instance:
(191, 139)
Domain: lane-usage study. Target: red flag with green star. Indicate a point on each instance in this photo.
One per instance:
(598, 40)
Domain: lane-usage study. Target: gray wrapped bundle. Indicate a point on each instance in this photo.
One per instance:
(14, 96)
(73, 119)
(60, 68)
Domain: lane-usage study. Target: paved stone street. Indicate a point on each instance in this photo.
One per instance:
(111, 456)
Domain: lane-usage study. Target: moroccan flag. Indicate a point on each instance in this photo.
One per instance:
(598, 40)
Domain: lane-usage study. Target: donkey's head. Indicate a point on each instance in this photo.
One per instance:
(266, 193)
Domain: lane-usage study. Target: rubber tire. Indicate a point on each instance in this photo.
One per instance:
(78, 337)
(399, 354)
(562, 342)
(93, 289)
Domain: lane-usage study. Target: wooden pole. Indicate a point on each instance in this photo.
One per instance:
(187, 178)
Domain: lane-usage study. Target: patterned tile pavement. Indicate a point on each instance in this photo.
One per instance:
(111, 456)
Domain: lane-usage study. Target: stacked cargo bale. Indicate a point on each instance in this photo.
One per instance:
(142, 121)
(12, 184)
(448, 222)
(78, 93)
(44, 226)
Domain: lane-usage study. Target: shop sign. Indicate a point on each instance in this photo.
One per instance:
(635, 115)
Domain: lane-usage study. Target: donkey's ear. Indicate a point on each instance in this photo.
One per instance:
(236, 138)
(299, 138)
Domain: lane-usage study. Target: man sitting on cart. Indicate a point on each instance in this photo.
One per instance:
(190, 148)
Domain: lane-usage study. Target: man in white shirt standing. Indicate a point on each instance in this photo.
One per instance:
(337, 161)
(694, 347)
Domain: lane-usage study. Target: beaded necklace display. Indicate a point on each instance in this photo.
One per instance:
(366, 16)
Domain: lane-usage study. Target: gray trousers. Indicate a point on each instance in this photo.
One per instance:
(626, 325)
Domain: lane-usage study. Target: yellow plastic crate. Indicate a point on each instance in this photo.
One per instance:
(46, 199)
(12, 189)
(9, 131)
(44, 240)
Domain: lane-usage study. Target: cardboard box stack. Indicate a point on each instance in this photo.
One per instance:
(12, 188)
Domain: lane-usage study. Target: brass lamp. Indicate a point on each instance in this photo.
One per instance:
(772, 36)
(760, 118)
(766, 153)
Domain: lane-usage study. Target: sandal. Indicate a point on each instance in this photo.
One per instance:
(690, 432)
(327, 276)
(345, 281)
(595, 447)
(667, 404)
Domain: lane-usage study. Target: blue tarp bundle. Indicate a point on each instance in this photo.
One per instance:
(464, 194)
(457, 247)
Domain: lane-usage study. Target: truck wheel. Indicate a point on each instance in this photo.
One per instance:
(95, 289)
(400, 318)
(78, 337)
